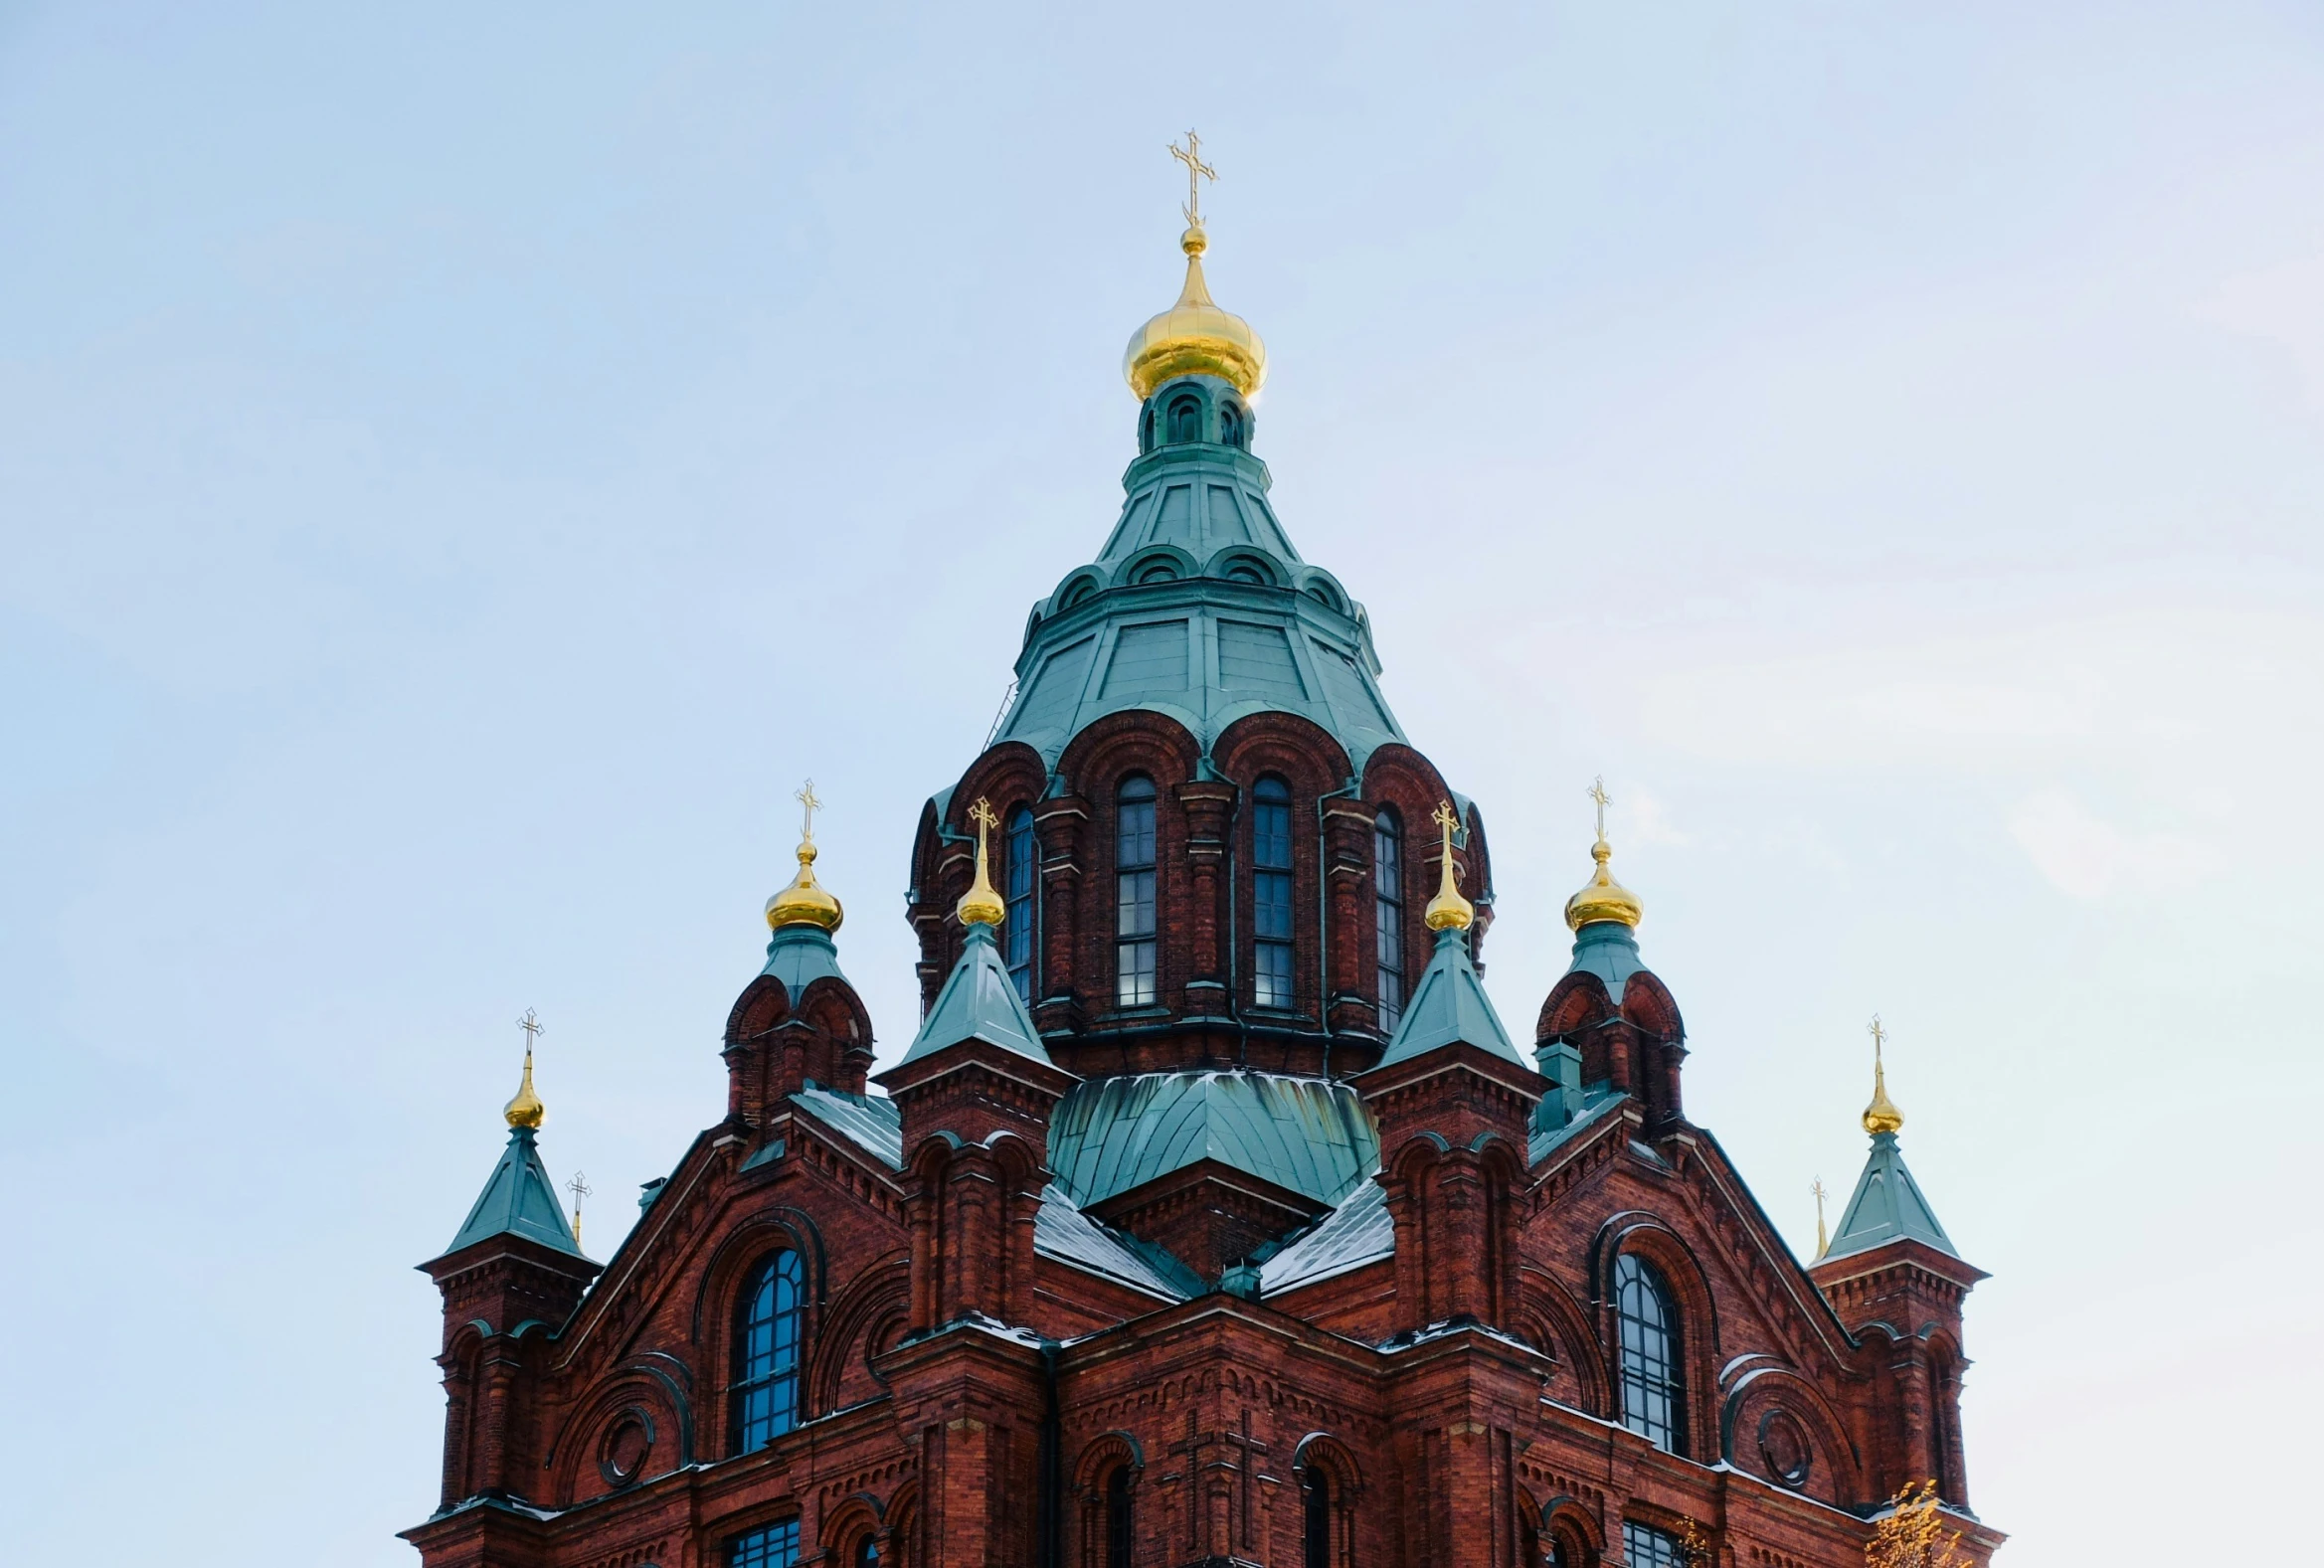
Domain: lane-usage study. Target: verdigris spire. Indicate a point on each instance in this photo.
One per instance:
(1887, 1204)
(1449, 1003)
(979, 1001)
(518, 1198)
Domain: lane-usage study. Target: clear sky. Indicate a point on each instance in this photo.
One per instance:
(462, 466)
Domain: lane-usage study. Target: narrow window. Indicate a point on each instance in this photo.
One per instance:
(1017, 930)
(765, 1385)
(1145, 432)
(1646, 1547)
(776, 1546)
(1134, 873)
(1317, 1528)
(1230, 426)
(1271, 895)
(1652, 1387)
(867, 1554)
(1186, 420)
(1387, 880)
(1117, 1517)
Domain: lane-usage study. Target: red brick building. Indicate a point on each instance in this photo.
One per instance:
(1213, 1215)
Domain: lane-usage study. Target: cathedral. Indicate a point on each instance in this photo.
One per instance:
(1212, 1216)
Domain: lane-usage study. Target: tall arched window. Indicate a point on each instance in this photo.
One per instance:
(1117, 1517)
(1187, 420)
(765, 1372)
(1653, 1388)
(867, 1552)
(1316, 1521)
(1230, 426)
(1018, 931)
(1387, 881)
(1133, 892)
(1271, 895)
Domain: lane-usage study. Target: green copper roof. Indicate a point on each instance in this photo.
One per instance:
(979, 1002)
(1309, 1135)
(799, 955)
(1199, 608)
(1609, 949)
(518, 1200)
(1449, 1004)
(1887, 1206)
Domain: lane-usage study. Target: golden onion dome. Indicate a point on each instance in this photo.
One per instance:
(982, 905)
(804, 902)
(1602, 898)
(1447, 911)
(1882, 1115)
(1194, 337)
(525, 1109)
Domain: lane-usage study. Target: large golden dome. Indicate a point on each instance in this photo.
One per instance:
(1194, 337)
(805, 902)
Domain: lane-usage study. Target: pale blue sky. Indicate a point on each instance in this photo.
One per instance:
(458, 473)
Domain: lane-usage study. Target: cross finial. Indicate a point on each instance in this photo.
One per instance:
(983, 814)
(807, 801)
(1443, 818)
(580, 1188)
(1197, 171)
(1823, 1240)
(1598, 794)
(532, 1027)
(1879, 1037)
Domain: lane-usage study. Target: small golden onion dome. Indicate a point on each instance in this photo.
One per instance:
(804, 902)
(1881, 1116)
(982, 905)
(1602, 898)
(1194, 337)
(1447, 911)
(525, 1109)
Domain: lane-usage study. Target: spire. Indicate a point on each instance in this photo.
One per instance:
(1887, 1204)
(805, 903)
(1447, 911)
(979, 1002)
(1823, 1238)
(1602, 898)
(982, 905)
(518, 1198)
(1194, 337)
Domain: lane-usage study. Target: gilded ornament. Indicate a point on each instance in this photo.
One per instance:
(525, 1109)
(805, 902)
(1194, 337)
(1447, 911)
(1882, 1115)
(1602, 898)
(982, 905)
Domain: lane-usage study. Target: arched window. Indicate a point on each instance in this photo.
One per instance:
(1145, 432)
(1133, 890)
(1387, 882)
(1187, 420)
(776, 1546)
(1271, 895)
(765, 1372)
(1117, 1517)
(1316, 1523)
(867, 1554)
(1230, 426)
(1646, 1547)
(1017, 930)
(1653, 1388)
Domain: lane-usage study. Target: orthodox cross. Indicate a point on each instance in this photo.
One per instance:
(1598, 794)
(807, 798)
(580, 1188)
(1879, 1037)
(1823, 1243)
(1197, 171)
(1443, 818)
(532, 1028)
(983, 814)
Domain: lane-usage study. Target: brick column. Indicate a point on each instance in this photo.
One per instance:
(1062, 824)
(1351, 1004)
(1209, 807)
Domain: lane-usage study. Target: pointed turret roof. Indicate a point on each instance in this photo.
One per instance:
(518, 1200)
(1887, 1206)
(1448, 1005)
(979, 1002)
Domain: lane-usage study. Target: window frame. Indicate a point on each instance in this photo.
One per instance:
(1020, 935)
(750, 1430)
(761, 1542)
(1390, 969)
(1274, 890)
(1650, 1367)
(1137, 894)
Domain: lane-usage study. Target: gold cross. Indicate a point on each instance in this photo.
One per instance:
(1817, 1187)
(807, 798)
(1197, 171)
(1598, 794)
(532, 1027)
(983, 814)
(1879, 1037)
(580, 1188)
(1443, 818)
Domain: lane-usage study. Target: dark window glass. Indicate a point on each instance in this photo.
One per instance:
(1651, 1383)
(1271, 894)
(1387, 880)
(765, 1385)
(1018, 931)
(1186, 420)
(1134, 894)
(1118, 1519)
(1317, 1531)
(776, 1546)
(1646, 1547)
(1561, 1555)
(1230, 426)
(866, 1553)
